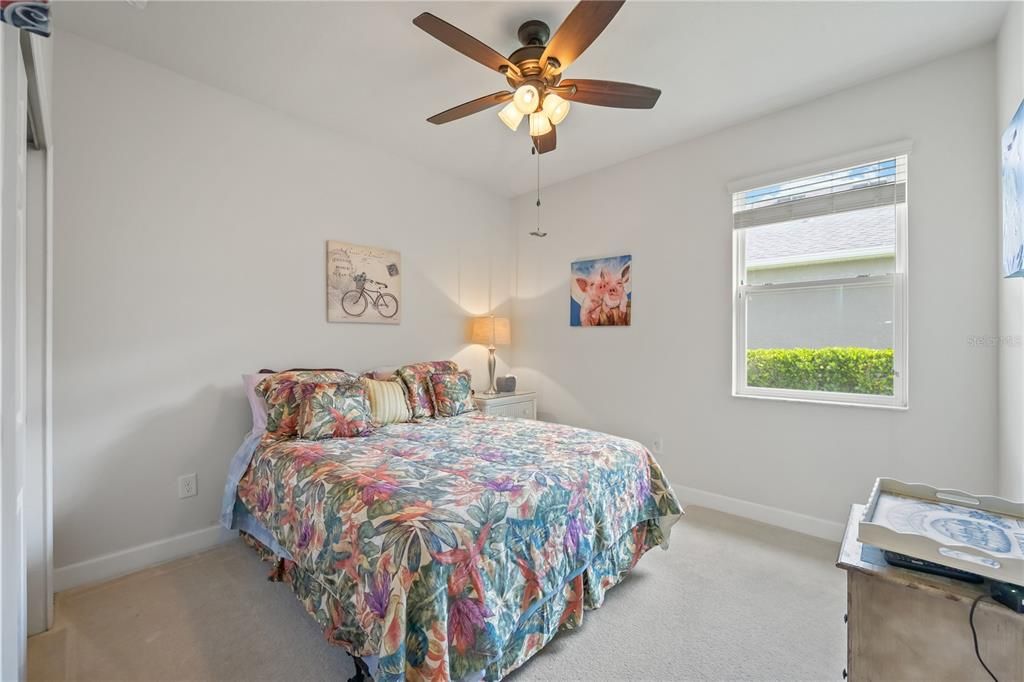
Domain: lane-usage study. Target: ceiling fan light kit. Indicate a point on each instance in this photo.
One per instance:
(511, 116)
(526, 98)
(556, 108)
(539, 124)
(534, 72)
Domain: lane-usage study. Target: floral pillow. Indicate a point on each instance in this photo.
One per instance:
(334, 411)
(452, 393)
(283, 392)
(416, 382)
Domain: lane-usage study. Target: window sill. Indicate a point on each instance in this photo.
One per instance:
(818, 401)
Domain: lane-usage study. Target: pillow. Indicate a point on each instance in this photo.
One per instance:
(389, 403)
(334, 411)
(382, 373)
(300, 369)
(283, 391)
(452, 393)
(256, 402)
(415, 378)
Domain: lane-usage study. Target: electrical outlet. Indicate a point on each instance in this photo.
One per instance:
(187, 486)
(657, 444)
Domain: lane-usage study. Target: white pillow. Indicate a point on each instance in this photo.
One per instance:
(256, 402)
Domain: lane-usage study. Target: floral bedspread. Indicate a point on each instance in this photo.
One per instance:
(458, 546)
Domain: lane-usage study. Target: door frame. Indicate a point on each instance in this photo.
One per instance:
(39, 488)
(24, 94)
(13, 165)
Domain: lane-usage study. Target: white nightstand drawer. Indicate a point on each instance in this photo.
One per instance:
(518, 405)
(523, 410)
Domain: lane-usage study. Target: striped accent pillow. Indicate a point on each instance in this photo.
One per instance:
(389, 402)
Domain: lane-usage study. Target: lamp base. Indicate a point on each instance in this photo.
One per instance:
(492, 388)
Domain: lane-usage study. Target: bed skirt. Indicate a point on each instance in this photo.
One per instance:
(585, 589)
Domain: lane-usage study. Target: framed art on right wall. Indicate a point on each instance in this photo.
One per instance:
(1012, 148)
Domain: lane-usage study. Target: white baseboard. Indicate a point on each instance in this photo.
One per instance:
(136, 558)
(790, 520)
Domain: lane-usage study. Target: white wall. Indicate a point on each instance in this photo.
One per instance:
(669, 374)
(1011, 291)
(189, 248)
(190, 230)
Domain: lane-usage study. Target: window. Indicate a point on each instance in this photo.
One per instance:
(820, 290)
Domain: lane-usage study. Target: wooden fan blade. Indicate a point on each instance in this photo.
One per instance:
(611, 94)
(472, 107)
(584, 23)
(459, 40)
(545, 143)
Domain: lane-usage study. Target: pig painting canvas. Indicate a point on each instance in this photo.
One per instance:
(601, 292)
(1013, 196)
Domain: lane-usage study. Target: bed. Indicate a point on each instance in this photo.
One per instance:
(450, 549)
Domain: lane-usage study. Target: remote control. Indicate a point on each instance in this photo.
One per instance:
(1010, 596)
(915, 564)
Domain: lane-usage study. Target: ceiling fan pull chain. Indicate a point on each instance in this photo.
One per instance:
(537, 232)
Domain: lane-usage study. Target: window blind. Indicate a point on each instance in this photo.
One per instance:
(881, 183)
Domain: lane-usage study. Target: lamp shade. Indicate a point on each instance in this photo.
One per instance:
(490, 331)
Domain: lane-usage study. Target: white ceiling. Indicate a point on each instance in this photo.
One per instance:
(364, 70)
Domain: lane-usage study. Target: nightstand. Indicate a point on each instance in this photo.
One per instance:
(522, 404)
(904, 624)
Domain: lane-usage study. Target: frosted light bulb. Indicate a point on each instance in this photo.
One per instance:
(526, 98)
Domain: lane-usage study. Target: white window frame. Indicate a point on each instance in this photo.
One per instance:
(741, 290)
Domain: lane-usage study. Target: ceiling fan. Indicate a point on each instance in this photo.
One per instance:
(534, 72)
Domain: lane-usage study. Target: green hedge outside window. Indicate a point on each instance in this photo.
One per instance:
(840, 370)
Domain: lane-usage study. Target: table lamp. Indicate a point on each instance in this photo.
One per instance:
(490, 331)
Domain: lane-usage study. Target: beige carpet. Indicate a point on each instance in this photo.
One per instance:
(731, 600)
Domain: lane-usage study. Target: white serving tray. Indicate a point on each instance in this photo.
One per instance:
(976, 533)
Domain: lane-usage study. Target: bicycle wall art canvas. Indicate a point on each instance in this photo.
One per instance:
(364, 284)
(601, 292)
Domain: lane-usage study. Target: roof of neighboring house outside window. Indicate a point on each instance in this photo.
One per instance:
(865, 233)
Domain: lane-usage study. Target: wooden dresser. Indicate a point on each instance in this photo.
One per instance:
(521, 404)
(908, 625)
